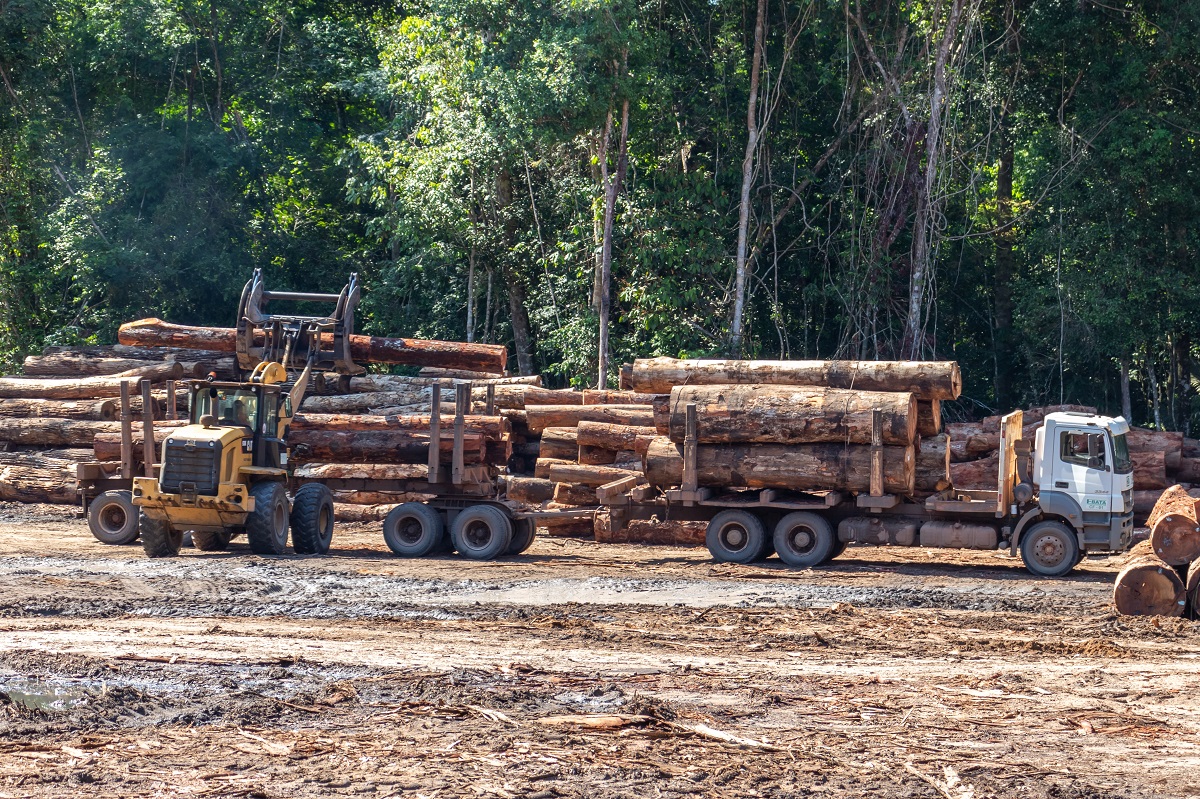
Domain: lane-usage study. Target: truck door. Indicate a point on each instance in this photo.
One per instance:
(1083, 469)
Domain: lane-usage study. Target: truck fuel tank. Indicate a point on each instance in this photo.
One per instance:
(878, 530)
(955, 535)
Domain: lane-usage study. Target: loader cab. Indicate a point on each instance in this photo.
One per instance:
(1084, 474)
(252, 407)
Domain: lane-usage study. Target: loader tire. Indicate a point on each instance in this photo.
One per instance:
(211, 541)
(159, 539)
(267, 526)
(312, 519)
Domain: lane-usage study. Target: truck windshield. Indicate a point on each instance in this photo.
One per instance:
(230, 406)
(1122, 464)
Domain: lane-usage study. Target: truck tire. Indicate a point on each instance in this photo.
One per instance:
(413, 530)
(804, 539)
(210, 540)
(524, 531)
(159, 539)
(481, 532)
(1049, 549)
(267, 526)
(112, 518)
(735, 536)
(312, 519)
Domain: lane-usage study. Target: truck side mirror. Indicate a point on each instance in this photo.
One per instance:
(1096, 462)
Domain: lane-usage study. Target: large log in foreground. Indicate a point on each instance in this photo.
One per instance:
(1174, 530)
(31, 477)
(363, 349)
(800, 467)
(928, 380)
(88, 410)
(1147, 586)
(84, 387)
(768, 414)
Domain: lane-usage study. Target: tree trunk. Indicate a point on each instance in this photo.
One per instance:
(670, 533)
(107, 445)
(30, 477)
(1193, 590)
(350, 513)
(933, 464)
(1035, 415)
(541, 469)
(560, 443)
(1141, 439)
(378, 497)
(66, 365)
(929, 417)
(89, 410)
(981, 474)
(791, 415)
(530, 490)
(595, 456)
(84, 387)
(1147, 586)
(1149, 470)
(138, 353)
(371, 383)
(491, 428)
(801, 467)
(925, 379)
(1004, 349)
(395, 472)
(571, 494)
(1188, 470)
(364, 403)
(50, 432)
(397, 446)
(741, 263)
(566, 526)
(363, 349)
(610, 211)
(458, 374)
(546, 396)
(594, 476)
(540, 417)
(1174, 530)
(616, 437)
(593, 396)
(1126, 403)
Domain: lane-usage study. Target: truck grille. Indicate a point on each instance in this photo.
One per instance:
(193, 465)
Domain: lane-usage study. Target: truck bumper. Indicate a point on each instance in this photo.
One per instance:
(229, 508)
(1120, 531)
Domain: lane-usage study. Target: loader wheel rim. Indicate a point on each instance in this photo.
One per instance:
(734, 537)
(1049, 550)
(280, 520)
(478, 534)
(113, 518)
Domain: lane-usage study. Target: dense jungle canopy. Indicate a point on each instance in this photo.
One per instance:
(1009, 184)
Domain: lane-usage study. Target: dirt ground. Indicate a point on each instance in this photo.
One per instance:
(578, 670)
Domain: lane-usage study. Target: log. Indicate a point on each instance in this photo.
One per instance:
(926, 379)
(378, 497)
(662, 414)
(1192, 587)
(392, 446)
(768, 414)
(72, 454)
(32, 477)
(595, 456)
(1149, 470)
(560, 443)
(543, 466)
(929, 418)
(360, 514)
(617, 437)
(592, 396)
(398, 472)
(594, 476)
(539, 417)
(363, 403)
(933, 464)
(107, 445)
(571, 494)
(140, 353)
(1037, 415)
(530, 490)
(983, 474)
(459, 374)
(84, 387)
(801, 467)
(1188, 470)
(652, 532)
(363, 349)
(545, 396)
(565, 526)
(492, 428)
(1190, 448)
(1141, 439)
(86, 410)
(49, 432)
(1174, 529)
(69, 365)
(1148, 587)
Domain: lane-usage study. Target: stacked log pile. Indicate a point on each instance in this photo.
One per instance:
(1162, 574)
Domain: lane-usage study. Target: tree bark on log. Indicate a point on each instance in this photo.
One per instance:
(350, 513)
(541, 469)
(397, 472)
(594, 396)
(595, 456)
(549, 396)
(107, 445)
(767, 414)
(1188, 470)
(560, 443)
(29, 477)
(140, 353)
(363, 403)
(337, 384)
(1037, 415)
(529, 490)
(1192, 586)
(933, 464)
(616, 437)
(1141, 439)
(394, 446)
(492, 428)
(459, 374)
(363, 349)
(594, 476)
(929, 418)
(926, 379)
(539, 417)
(47, 432)
(983, 474)
(801, 467)
(571, 494)
(84, 387)
(65, 365)
(1148, 587)
(672, 533)
(85, 410)
(378, 497)
(566, 526)
(1149, 470)
(1174, 530)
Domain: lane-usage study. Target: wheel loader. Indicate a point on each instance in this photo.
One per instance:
(225, 472)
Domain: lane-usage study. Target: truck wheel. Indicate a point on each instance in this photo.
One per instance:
(312, 519)
(735, 536)
(267, 526)
(481, 532)
(1049, 549)
(524, 531)
(159, 539)
(804, 539)
(211, 541)
(413, 530)
(112, 518)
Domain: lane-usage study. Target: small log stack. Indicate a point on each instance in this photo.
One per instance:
(1162, 574)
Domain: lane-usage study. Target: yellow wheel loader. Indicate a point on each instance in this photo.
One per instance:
(225, 473)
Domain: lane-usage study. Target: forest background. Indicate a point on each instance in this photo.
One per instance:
(1010, 184)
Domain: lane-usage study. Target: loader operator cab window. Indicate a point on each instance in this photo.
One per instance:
(1083, 449)
(231, 407)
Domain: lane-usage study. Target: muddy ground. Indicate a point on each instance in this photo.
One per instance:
(578, 670)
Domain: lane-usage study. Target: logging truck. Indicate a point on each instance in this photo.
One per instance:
(1067, 493)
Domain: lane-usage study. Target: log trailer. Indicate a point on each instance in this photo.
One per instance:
(1066, 494)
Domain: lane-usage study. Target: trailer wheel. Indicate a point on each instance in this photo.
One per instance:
(524, 531)
(481, 532)
(211, 541)
(267, 526)
(804, 539)
(413, 530)
(312, 519)
(159, 539)
(1049, 549)
(735, 536)
(112, 518)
